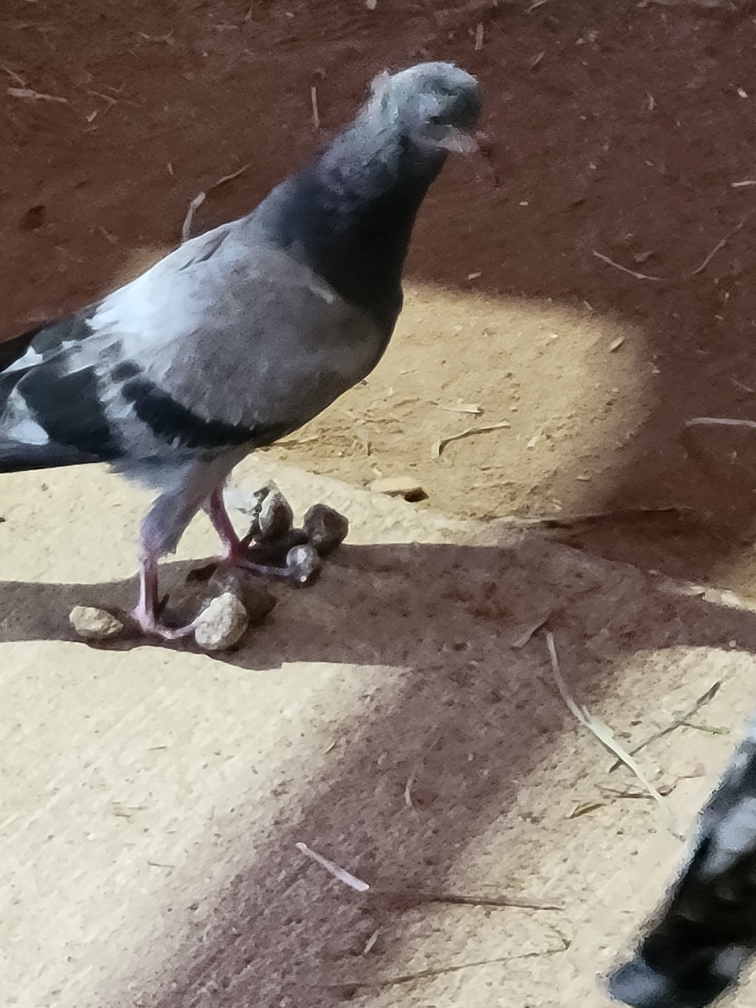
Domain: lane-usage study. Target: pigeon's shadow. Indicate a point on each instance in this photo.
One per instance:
(385, 604)
(461, 624)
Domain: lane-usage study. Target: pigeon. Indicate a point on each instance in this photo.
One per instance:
(706, 931)
(243, 334)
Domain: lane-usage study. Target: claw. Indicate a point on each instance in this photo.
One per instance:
(302, 564)
(150, 609)
(152, 624)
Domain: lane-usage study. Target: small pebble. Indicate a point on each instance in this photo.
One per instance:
(233, 581)
(275, 518)
(325, 528)
(306, 562)
(271, 515)
(222, 623)
(94, 624)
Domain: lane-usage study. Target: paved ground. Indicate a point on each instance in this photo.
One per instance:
(391, 718)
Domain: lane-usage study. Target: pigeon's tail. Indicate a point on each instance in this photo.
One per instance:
(16, 457)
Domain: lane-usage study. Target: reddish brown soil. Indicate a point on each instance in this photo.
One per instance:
(617, 128)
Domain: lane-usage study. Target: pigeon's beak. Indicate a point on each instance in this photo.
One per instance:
(458, 141)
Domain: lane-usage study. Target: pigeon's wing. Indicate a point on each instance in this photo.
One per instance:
(57, 402)
(239, 333)
(27, 358)
(44, 341)
(226, 343)
(51, 413)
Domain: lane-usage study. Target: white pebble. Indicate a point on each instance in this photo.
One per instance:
(222, 623)
(94, 624)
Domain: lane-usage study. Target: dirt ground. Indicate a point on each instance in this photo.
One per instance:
(623, 138)
(623, 130)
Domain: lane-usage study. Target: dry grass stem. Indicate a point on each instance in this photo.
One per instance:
(340, 873)
(603, 733)
(624, 269)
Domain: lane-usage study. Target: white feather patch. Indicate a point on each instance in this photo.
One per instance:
(29, 358)
(29, 432)
(734, 837)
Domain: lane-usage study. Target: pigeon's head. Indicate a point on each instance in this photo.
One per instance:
(435, 104)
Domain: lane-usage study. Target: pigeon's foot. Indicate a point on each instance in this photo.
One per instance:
(153, 626)
(273, 548)
(300, 564)
(149, 610)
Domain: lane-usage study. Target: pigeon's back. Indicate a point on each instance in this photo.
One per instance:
(235, 328)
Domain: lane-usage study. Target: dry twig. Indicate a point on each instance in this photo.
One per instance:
(438, 446)
(371, 941)
(186, 228)
(408, 790)
(31, 95)
(595, 517)
(200, 198)
(315, 112)
(707, 4)
(414, 898)
(603, 733)
(720, 245)
(228, 178)
(704, 421)
(440, 971)
(680, 722)
(15, 76)
(624, 269)
(340, 873)
(472, 408)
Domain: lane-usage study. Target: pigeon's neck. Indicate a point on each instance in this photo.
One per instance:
(349, 215)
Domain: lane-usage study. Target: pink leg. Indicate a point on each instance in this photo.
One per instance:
(234, 551)
(237, 552)
(161, 531)
(216, 510)
(146, 611)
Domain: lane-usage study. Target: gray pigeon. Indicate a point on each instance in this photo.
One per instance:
(706, 931)
(243, 334)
